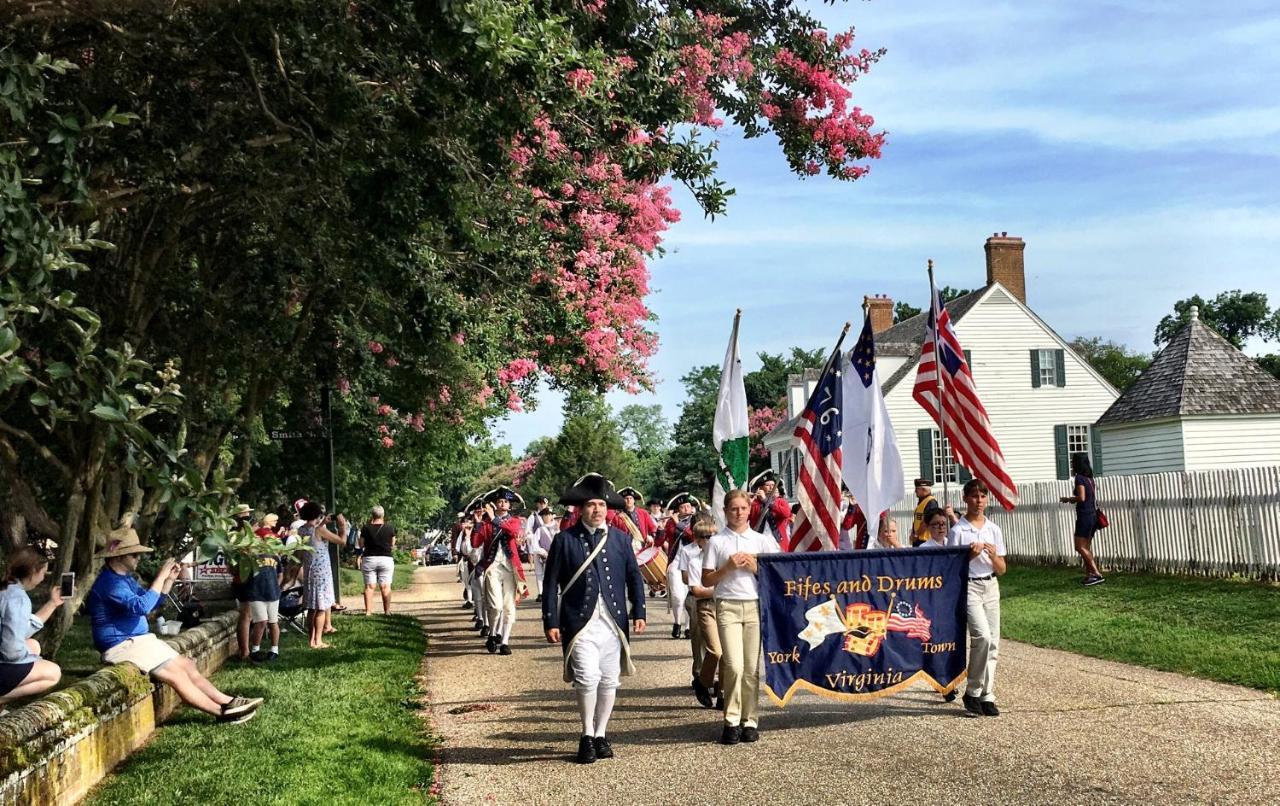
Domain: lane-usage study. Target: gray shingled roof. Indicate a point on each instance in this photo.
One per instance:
(906, 337)
(1198, 372)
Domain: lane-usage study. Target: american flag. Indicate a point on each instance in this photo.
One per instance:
(819, 437)
(966, 425)
(913, 623)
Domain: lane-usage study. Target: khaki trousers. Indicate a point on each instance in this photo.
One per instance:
(738, 622)
(984, 637)
(706, 640)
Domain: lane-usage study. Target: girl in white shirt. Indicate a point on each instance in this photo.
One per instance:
(986, 563)
(729, 566)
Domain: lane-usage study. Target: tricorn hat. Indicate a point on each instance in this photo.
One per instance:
(761, 478)
(503, 493)
(680, 498)
(122, 542)
(592, 487)
(473, 504)
(631, 491)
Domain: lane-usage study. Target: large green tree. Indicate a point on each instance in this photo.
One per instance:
(1115, 362)
(1237, 315)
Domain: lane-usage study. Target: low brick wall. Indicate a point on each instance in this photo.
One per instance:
(57, 748)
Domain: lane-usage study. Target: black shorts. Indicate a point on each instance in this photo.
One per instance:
(1086, 524)
(12, 674)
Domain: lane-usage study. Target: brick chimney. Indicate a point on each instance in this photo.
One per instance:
(1004, 263)
(881, 309)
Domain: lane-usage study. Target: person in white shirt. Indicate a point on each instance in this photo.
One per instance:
(936, 524)
(729, 565)
(986, 563)
(886, 534)
(534, 520)
(702, 612)
(540, 543)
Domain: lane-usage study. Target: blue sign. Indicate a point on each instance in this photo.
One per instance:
(856, 625)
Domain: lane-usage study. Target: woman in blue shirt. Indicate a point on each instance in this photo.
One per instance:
(1086, 501)
(22, 672)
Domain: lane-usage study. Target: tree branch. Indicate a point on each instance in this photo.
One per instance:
(41, 451)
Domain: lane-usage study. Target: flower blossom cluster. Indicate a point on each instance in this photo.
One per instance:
(760, 422)
(715, 57)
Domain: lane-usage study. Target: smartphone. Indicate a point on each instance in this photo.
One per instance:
(67, 585)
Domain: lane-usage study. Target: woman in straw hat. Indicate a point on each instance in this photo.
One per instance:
(118, 606)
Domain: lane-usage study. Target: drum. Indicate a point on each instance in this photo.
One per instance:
(653, 567)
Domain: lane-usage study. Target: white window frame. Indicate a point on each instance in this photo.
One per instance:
(1079, 440)
(944, 462)
(1048, 367)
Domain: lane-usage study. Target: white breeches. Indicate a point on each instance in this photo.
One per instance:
(596, 656)
(677, 592)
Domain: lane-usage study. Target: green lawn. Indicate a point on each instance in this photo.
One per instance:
(1226, 630)
(353, 582)
(338, 727)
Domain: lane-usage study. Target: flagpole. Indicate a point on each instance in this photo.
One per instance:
(937, 377)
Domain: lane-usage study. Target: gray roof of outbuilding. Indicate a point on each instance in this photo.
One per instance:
(1198, 372)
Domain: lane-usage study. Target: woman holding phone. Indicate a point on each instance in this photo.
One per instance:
(22, 672)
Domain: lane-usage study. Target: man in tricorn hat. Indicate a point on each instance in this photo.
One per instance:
(770, 512)
(678, 534)
(590, 578)
(500, 567)
(644, 523)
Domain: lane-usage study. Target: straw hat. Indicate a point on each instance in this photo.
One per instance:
(241, 511)
(122, 542)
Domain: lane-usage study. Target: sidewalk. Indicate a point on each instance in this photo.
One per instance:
(1073, 730)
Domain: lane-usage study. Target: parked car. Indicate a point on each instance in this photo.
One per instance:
(439, 554)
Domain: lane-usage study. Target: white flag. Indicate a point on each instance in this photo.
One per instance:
(824, 619)
(730, 432)
(872, 465)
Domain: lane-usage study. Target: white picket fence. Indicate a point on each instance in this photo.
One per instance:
(1214, 523)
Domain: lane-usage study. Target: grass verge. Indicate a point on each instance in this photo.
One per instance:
(1219, 629)
(352, 580)
(338, 726)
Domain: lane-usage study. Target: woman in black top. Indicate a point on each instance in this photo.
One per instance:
(1086, 501)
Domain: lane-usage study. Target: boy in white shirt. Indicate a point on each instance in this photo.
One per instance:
(986, 563)
(729, 565)
(702, 610)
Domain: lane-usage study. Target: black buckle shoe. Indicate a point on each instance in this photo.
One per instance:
(603, 748)
(750, 734)
(484, 631)
(491, 644)
(702, 693)
(972, 706)
(586, 750)
(675, 630)
(504, 650)
(989, 709)
(732, 734)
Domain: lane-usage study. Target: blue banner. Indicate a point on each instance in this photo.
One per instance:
(856, 625)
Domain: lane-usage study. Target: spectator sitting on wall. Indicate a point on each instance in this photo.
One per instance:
(118, 606)
(22, 671)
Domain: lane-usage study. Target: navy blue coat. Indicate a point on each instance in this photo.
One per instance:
(614, 574)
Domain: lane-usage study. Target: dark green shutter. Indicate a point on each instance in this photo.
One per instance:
(1060, 449)
(1095, 443)
(925, 437)
(1035, 369)
(968, 359)
(1060, 366)
(963, 475)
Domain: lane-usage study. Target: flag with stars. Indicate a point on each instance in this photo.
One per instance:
(819, 437)
(872, 463)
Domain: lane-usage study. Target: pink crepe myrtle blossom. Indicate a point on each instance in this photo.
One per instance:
(580, 79)
(375, 347)
(459, 338)
(388, 442)
(384, 410)
(382, 429)
(514, 401)
(392, 363)
(344, 386)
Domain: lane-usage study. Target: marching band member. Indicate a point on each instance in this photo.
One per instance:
(501, 569)
(770, 512)
(461, 546)
(540, 544)
(591, 576)
(643, 521)
(676, 535)
(729, 565)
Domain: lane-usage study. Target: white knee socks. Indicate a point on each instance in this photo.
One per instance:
(507, 624)
(604, 708)
(587, 710)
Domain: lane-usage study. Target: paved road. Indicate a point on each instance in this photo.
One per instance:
(1073, 730)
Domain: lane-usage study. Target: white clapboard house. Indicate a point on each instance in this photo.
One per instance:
(1041, 396)
(1201, 405)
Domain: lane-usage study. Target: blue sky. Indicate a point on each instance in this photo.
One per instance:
(1134, 146)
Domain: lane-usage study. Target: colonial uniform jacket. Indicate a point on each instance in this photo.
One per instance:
(613, 574)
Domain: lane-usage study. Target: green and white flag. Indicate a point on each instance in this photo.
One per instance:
(730, 433)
